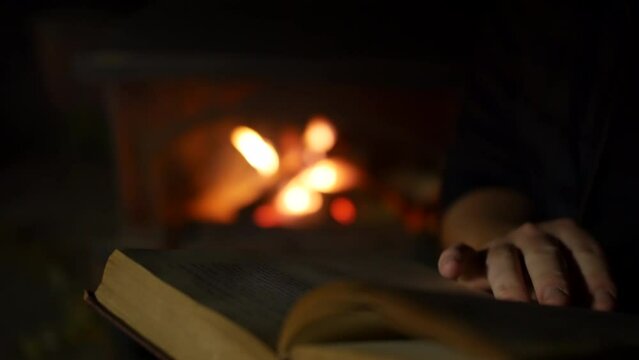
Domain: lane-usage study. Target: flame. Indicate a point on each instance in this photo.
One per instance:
(296, 200)
(320, 135)
(321, 177)
(260, 154)
(303, 194)
(329, 176)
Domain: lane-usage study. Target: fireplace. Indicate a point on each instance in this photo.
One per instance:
(241, 145)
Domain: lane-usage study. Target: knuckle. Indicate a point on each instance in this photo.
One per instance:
(565, 222)
(495, 242)
(552, 279)
(610, 289)
(587, 246)
(540, 247)
(601, 282)
(542, 288)
(529, 230)
(607, 286)
(546, 248)
(499, 252)
(587, 251)
(504, 288)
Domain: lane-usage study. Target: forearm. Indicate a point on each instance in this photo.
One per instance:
(483, 215)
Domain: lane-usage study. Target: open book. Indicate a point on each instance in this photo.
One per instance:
(187, 304)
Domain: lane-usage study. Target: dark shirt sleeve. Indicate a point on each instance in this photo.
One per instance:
(486, 151)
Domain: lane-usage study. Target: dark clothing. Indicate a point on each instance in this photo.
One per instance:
(551, 112)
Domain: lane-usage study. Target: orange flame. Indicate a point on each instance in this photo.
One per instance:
(329, 176)
(320, 135)
(302, 195)
(297, 200)
(260, 154)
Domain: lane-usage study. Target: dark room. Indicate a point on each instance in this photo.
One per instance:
(319, 180)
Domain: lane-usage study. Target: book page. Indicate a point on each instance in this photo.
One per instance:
(255, 293)
(258, 291)
(377, 350)
(389, 272)
(481, 326)
(517, 329)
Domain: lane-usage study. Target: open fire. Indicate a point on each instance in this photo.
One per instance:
(300, 187)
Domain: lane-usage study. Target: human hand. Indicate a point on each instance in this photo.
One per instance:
(546, 262)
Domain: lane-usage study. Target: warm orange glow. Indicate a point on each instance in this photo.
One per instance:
(321, 177)
(257, 151)
(320, 135)
(329, 176)
(343, 211)
(266, 216)
(296, 200)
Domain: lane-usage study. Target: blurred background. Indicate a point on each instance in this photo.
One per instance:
(269, 126)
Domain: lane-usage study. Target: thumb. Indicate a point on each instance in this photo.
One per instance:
(460, 260)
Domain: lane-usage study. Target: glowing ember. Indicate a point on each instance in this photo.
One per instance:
(343, 210)
(257, 151)
(322, 177)
(297, 200)
(266, 216)
(320, 135)
(329, 176)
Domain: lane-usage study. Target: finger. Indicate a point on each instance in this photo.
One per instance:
(466, 265)
(451, 260)
(543, 262)
(590, 260)
(504, 273)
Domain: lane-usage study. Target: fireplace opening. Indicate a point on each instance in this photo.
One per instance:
(252, 146)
